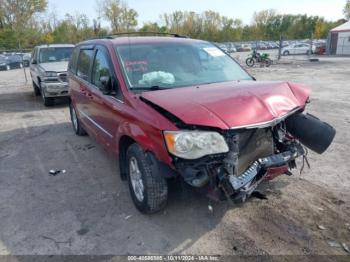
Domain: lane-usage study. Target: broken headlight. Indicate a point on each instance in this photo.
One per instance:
(194, 144)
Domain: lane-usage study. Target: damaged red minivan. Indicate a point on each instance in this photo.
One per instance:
(173, 106)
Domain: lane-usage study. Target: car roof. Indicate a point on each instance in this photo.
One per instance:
(142, 40)
(55, 45)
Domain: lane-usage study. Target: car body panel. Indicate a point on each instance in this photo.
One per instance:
(231, 104)
(54, 66)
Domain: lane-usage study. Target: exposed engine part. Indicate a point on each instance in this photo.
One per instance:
(310, 131)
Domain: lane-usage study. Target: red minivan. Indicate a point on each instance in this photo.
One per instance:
(170, 106)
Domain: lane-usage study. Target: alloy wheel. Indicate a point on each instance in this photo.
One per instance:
(136, 179)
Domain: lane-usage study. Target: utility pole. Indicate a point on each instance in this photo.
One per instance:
(280, 47)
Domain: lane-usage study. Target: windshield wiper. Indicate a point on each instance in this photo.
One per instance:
(150, 88)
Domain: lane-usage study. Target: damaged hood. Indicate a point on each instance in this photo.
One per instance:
(55, 66)
(231, 104)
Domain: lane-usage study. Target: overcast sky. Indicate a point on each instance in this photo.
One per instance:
(149, 10)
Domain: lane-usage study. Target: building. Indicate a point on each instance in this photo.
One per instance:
(339, 40)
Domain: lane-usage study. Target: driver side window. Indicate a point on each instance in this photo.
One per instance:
(101, 68)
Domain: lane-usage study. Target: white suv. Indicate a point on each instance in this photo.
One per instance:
(48, 69)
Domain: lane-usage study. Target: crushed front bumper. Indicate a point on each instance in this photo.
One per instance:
(54, 89)
(210, 174)
(265, 168)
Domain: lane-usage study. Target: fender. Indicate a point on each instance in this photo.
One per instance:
(150, 139)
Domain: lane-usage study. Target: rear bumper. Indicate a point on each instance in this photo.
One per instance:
(54, 89)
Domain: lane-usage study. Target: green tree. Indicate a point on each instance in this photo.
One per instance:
(118, 14)
(16, 14)
(346, 10)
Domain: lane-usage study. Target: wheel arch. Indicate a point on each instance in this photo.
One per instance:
(123, 144)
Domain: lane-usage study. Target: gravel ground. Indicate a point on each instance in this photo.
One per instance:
(88, 210)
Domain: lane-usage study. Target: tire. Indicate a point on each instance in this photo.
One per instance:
(148, 188)
(36, 89)
(285, 53)
(78, 129)
(250, 62)
(48, 101)
(268, 62)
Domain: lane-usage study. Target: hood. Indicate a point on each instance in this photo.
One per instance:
(231, 104)
(55, 66)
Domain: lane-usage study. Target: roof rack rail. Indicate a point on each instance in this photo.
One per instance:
(143, 33)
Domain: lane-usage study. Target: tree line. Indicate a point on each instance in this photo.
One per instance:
(26, 23)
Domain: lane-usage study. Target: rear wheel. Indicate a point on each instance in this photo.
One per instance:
(268, 62)
(286, 53)
(250, 62)
(148, 188)
(78, 129)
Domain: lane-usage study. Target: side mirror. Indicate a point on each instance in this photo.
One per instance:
(106, 85)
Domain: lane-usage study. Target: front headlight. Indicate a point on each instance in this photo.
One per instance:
(194, 144)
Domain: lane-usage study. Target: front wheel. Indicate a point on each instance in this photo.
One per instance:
(250, 62)
(36, 89)
(48, 101)
(148, 188)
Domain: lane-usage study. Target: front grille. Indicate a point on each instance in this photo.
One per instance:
(253, 144)
(63, 77)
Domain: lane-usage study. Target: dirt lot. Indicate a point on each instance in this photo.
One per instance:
(87, 210)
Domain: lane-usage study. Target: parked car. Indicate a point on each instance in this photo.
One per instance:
(26, 57)
(177, 107)
(320, 48)
(12, 61)
(4, 63)
(48, 69)
(297, 49)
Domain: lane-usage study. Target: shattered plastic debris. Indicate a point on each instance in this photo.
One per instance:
(321, 227)
(127, 217)
(346, 248)
(54, 172)
(333, 243)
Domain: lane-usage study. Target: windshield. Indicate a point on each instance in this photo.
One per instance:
(55, 54)
(165, 65)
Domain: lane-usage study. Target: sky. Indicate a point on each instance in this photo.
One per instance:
(149, 10)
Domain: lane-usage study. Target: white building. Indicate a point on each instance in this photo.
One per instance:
(339, 40)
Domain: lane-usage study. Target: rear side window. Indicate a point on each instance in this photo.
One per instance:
(84, 63)
(72, 67)
(101, 68)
